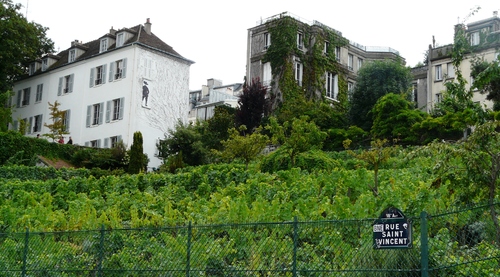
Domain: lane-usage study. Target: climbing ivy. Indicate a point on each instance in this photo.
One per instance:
(290, 96)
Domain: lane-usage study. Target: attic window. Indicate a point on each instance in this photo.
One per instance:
(45, 64)
(72, 55)
(32, 68)
(104, 45)
(120, 39)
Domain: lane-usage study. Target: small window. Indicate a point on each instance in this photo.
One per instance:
(337, 53)
(439, 73)
(439, 97)
(95, 143)
(95, 114)
(104, 45)
(32, 68)
(474, 38)
(45, 64)
(120, 39)
(350, 87)
(66, 120)
(114, 141)
(117, 70)
(300, 40)
(97, 75)
(331, 84)
(72, 55)
(326, 47)
(65, 84)
(450, 70)
(350, 61)
(267, 40)
(266, 74)
(114, 109)
(360, 63)
(298, 73)
(37, 126)
(39, 93)
(26, 97)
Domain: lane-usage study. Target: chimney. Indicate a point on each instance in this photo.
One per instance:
(74, 43)
(147, 26)
(495, 13)
(112, 31)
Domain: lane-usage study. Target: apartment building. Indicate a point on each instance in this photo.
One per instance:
(126, 80)
(429, 80)
(344, 57)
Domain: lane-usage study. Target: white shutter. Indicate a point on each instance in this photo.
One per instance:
(122, 106)
(101, 112)
(59, 88)
(124, 68)
(91, 84)
(111, 71)
(89, 115)
(71, 79)
(106, 143)
(108, 111)
(104, 68)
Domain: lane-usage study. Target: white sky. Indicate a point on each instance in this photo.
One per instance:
(213, 34)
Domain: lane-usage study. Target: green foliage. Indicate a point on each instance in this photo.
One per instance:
(297, 136)
(252, 105)
(22, 43)
(376, 79)
(138, 161)
(487, 79)
(56, 127)
(215, 129)
(245, 147)
(185, 142)
(310, 161)
(393, 118)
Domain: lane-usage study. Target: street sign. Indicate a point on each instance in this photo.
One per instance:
(392, 230)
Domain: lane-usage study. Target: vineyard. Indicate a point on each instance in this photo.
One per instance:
(222, 219)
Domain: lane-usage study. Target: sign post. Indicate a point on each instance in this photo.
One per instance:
(392, 230)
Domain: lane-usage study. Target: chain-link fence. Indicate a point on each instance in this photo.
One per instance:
(462, 243)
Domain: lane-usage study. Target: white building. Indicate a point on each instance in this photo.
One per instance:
(125, 81)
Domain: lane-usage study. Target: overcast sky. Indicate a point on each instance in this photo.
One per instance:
(213, 34)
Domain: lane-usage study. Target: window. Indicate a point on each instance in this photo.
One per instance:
(439, 97)
(326, 47)
(117, 70)
(331, 83)
(450, 70)
(266, 74)
(114, 109)
(32, 68)
(120, 39)
(350, 61)
(298, 73)
(72, 55)
(360, 63)
(65, 84)
(474, 38)
(23, 97)
(39, 92)
(95, 114)
(104, 45)
(66, 119)
(414, 93)
(472, 83)
(37, 126)
(94, 143)
(300, 40)
(267, 40)
(337, 53)
(97, 75)
(439, 73)
(45, 64)
(350, 87)
(112, 141)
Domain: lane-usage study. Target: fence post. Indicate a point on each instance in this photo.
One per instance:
(101, 253)
(424, 246)
(188, 254)
(295, 239)
(25, 252)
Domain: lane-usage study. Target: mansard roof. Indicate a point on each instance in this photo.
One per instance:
(139, 36)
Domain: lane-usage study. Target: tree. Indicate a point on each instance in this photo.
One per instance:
(184, 144)
(57, 127)
(375, 156)
(138, 161)
(393, 118)
(297, 136)
(252, 104)
(21, 43)
(245, 147)
(215, 129)
(487, 79)
(376, 79)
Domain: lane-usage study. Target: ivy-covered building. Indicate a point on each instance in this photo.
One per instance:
(483, 37)
(287, 53)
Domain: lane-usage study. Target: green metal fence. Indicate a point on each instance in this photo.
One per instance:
(461, 243)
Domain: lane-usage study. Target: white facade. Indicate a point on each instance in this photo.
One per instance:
(103, 93)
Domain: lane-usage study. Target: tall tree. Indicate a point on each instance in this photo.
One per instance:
(487, 79)
(57, 127)
(137, 162)
(376, 79)
(252, 103)
(245, 147)
(21, 42)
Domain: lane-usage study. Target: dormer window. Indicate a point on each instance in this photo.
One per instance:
(474, 39)
(267, 40)
(120, 39)
(45, 64)
(32, 68)
(104, 45)
(72, 55)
